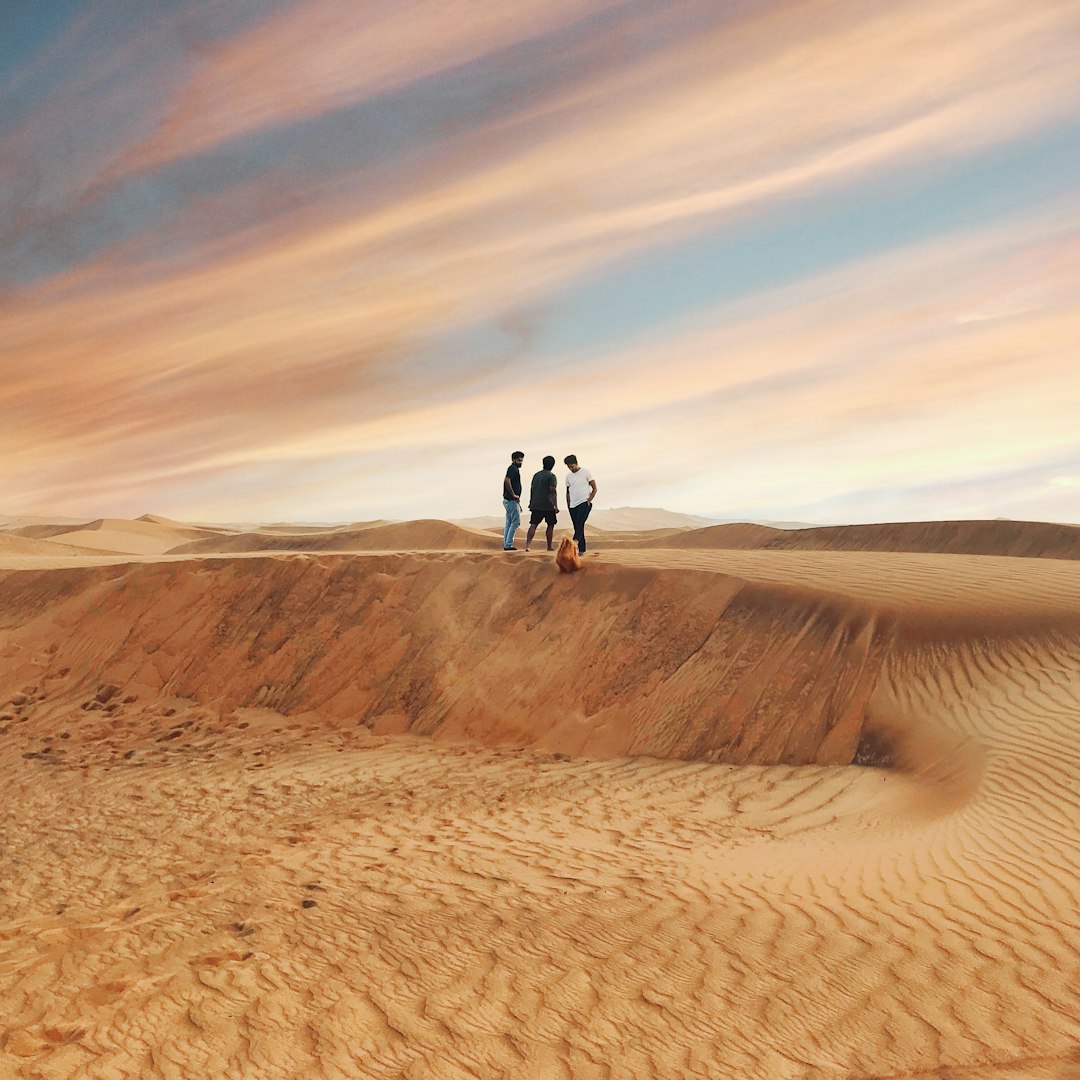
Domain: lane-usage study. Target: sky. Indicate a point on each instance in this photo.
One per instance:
(333, 260)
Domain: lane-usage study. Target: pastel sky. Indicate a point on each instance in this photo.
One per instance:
(332, 260)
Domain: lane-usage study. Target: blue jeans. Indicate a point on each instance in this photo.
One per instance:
(513, 521)
(579, 515)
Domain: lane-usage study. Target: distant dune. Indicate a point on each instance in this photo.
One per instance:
(641, 518)
(611, 519)
(42, 530)
(1025, 539)
(736, 535)
(286, 527)
(423, 535)
(21, 544)
(8, 523)
(139, 537)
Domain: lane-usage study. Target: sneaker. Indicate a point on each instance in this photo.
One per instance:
(510, 549)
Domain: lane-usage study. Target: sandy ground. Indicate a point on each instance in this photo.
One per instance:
(291, 815)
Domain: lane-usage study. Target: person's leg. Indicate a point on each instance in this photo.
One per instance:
(530, 534)
(575, 517)
(550, 535)
(585, 509)
(513, 522)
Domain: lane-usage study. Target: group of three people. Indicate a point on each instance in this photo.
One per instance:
(544, 499)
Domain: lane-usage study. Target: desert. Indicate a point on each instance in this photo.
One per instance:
(539, 540)
(381, 800)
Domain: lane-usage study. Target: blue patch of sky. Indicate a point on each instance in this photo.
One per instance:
(360, 154)
(28, 27)
(799, 238)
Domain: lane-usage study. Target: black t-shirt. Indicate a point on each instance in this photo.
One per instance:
(544, 486)
(514, 472)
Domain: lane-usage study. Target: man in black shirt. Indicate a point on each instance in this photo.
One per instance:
(511, 496)
(543, 501)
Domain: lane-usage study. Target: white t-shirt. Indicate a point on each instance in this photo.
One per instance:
(578, 483)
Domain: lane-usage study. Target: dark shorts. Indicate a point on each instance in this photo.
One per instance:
(549, 516)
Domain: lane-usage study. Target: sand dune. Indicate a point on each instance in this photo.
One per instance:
(143, 536)
(40, 530)
(634, 519)
(20, 544)
(224, 859)
(736, 536)
(643, 519)
(491, 650)
(16, 524)
(1029, 539)
(299, 530)
(423, 535)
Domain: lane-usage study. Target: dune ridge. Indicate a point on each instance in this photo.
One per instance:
(492, 651)
(420, 535)
(1026, 539)
(147, 535)
(20, 544)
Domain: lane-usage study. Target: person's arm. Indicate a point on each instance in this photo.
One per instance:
(592, 493)
(508, 488)
(554, 494)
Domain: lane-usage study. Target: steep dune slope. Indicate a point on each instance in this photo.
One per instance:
(617, 661)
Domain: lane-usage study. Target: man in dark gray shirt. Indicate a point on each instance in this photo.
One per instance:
(543, 502)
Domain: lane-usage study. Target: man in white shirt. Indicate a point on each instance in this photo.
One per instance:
(580, 492)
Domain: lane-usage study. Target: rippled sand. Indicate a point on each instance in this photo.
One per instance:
(333, 815)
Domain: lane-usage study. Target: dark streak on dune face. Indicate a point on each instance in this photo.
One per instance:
(619, 660)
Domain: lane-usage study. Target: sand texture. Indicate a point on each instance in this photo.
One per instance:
(688, 812)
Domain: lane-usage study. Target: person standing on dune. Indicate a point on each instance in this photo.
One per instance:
(580, 492)
(543, 502)
(511, 496)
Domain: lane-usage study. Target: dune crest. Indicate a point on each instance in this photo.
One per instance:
(749, 673)
(1025, 539)
(421, 535)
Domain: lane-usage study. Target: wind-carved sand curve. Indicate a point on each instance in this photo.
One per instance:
(214, 870)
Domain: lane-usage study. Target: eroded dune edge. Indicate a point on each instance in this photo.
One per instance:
(634, 847)
(621, 661)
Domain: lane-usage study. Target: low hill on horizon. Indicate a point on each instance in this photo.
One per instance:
(610, 519)
(1028, 539)
(427, 534)
(624, 528)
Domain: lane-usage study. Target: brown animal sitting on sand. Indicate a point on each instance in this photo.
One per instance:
(567, 557)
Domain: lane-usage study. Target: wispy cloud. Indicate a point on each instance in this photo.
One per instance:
(220, 275)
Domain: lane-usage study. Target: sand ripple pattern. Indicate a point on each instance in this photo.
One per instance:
(262, 895)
